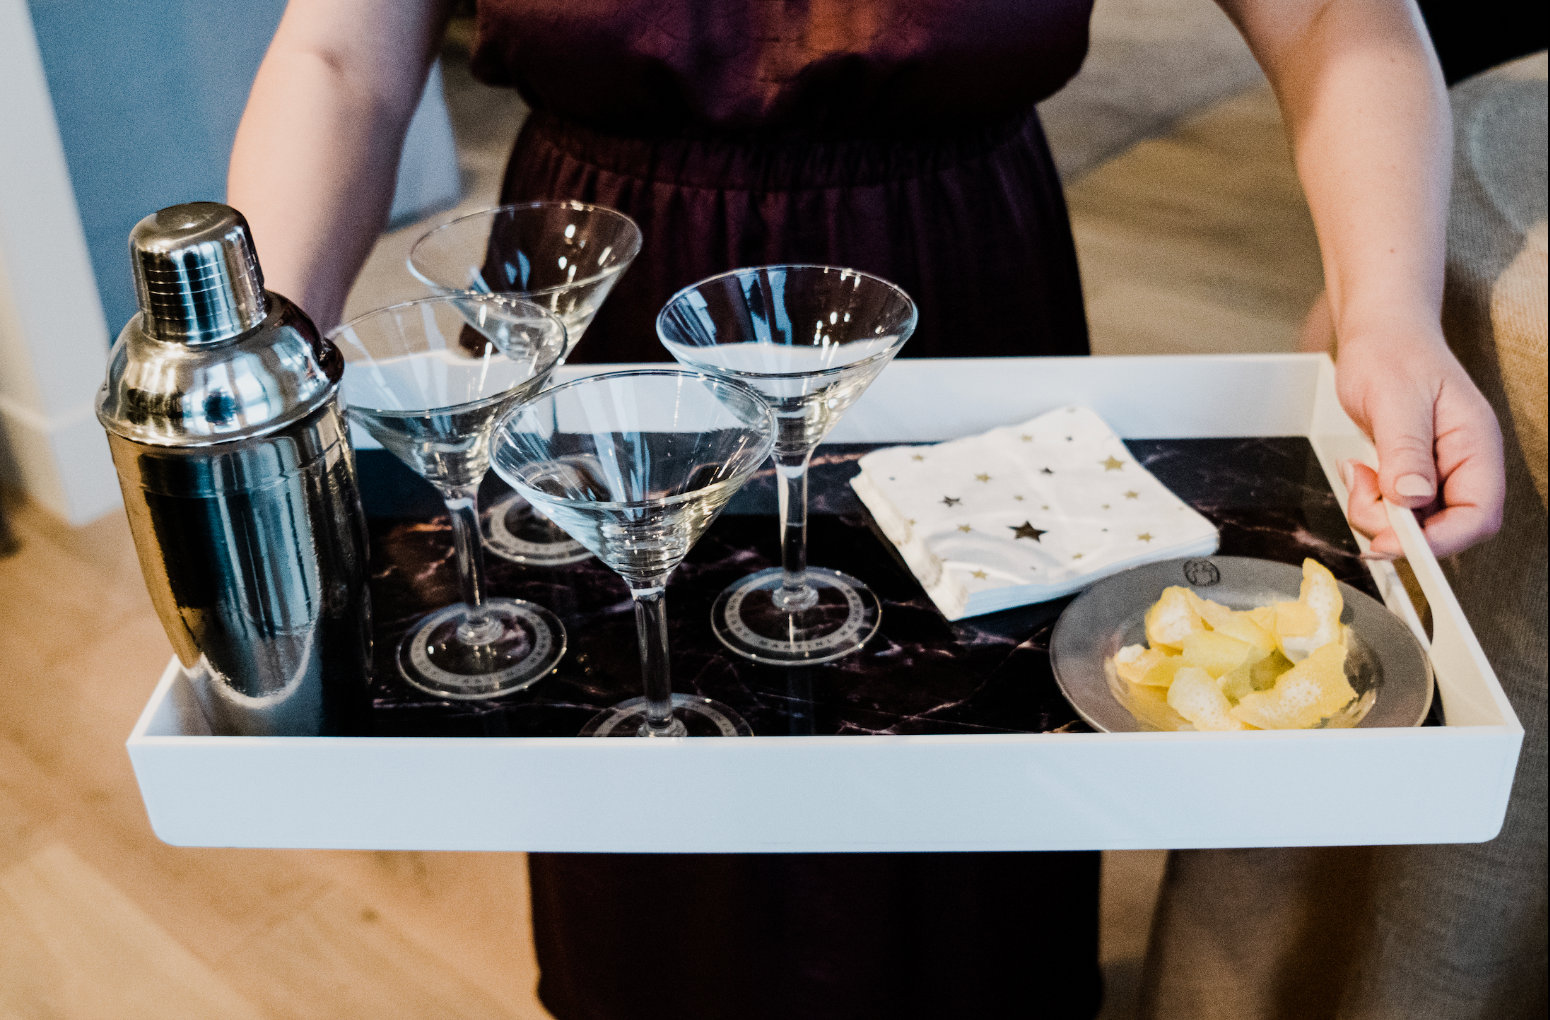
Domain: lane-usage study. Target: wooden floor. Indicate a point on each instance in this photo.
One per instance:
(100, 919)
(1198, 242)
(1193, 242)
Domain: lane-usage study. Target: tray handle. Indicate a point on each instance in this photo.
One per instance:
(1455, 650)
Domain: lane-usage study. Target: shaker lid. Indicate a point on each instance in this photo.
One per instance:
(210, 357)
(196, 275)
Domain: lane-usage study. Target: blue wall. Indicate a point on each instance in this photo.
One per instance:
(148, 96)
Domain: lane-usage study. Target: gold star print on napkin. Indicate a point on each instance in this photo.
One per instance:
(1025, 513)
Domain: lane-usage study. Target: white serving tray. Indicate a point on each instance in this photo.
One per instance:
(870, 793)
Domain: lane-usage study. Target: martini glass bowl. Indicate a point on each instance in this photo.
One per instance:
(565, 256)
(635, 466)
(427, 379)
(810, 340)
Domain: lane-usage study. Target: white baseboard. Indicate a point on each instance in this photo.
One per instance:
(63, 464)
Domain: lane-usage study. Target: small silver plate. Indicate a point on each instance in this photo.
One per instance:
(1386, 666)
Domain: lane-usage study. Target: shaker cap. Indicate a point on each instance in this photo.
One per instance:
(196, 274)
(211, 357)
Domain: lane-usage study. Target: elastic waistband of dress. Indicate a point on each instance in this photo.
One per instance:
(764, 164)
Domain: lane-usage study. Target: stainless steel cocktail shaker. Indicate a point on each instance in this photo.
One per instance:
(234, 458)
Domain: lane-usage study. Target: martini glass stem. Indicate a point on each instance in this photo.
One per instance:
(651, 630)
(480, 627)
(795, 594)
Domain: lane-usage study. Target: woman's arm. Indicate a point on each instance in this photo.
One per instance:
(316, 156)
(1365, 106)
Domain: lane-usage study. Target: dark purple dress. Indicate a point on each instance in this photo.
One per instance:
(893, 136)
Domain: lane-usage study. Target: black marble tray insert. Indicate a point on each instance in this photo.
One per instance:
(921, 674)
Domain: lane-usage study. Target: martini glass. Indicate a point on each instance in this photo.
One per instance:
(565, 256)
(636, 465)
(809, 339)
(427, 379)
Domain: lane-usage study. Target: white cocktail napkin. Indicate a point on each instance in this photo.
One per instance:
(1025, 513)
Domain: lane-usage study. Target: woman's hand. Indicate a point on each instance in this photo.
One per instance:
(1439, 446)
(1367, 113)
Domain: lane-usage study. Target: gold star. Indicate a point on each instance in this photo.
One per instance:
(917, 457)
(979, 574)
(1105, 506)
(950, 501)
(1077, 556)
(1026, 530)
(964, 527)
(1018, 498)
(1132, 494)
(1112, 464)
(1027, 439)
(1045, 507)
(912, 522)
(982, 478)
(1145, 536)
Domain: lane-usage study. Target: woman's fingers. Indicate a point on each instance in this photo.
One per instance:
(1366, 510)
(1454, 529)
(1438, 444)
(1396, 409)
(1465, 454)
(1469, 460)
(1404, 431)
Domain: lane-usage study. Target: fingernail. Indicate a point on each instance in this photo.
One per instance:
(1413, 485)
(1347, 475)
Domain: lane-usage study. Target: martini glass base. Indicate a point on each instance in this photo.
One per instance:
(530, 644)
(699, 717)
(843, 619)
(516, 532)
